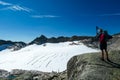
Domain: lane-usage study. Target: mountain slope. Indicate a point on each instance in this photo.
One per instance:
(47, 58)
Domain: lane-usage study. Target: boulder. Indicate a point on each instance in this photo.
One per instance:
(91, 67)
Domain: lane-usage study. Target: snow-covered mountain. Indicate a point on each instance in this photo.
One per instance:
(46, 57)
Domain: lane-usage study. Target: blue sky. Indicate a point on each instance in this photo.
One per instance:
(24, 20)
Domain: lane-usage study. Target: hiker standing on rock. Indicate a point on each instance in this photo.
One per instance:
(103, 37)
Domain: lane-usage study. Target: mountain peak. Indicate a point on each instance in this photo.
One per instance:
(39, 40)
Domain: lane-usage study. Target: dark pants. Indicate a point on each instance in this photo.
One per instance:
(103, 45)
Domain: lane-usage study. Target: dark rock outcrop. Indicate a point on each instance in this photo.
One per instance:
(32, 75)
(3, 73)
(11, 45)
(17, 46)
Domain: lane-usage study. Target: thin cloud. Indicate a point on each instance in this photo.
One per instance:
(18, 8)
(5, 3)
(115, 14)
(13, 7)
(44, 16)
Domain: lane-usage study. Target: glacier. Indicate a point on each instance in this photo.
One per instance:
(47, 57)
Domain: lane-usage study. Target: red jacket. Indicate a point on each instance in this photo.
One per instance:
(102, 38)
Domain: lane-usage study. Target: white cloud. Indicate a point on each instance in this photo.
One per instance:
(44, 16)
(13, 7)
(5, 3)
(18, 8)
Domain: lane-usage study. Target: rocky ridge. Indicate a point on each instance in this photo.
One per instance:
(11, 45)
(43, 39)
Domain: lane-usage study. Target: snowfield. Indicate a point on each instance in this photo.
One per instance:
(48, 58)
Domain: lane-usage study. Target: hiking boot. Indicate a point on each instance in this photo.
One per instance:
(102, 59)
(108, 59)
